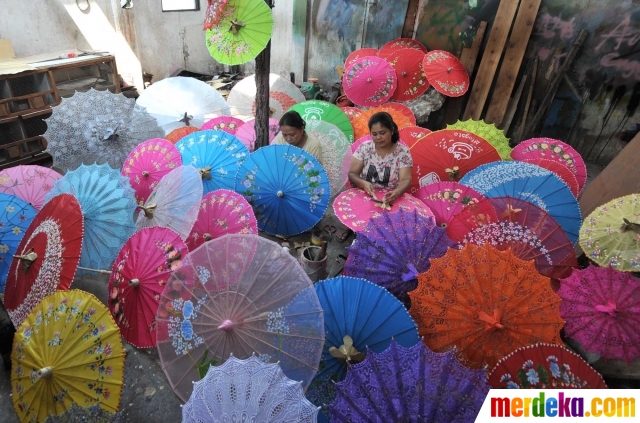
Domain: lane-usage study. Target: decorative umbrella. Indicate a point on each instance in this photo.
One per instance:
(352, 112)
(412, 81)
(79, 414)
(242, 32)
(283, 94)
(447, 155)
(228, 124)
(28, 182)
(354, 207)
(393, 108)
(174, 202)
(488, 131)
(247, 133)
(409, 384)
(544, 366)
(68, 350)
(357, 54)
(15, 217)
(359, 142)
(394, 248)
(369, 81)
(517, 225)
(560, 170)
(602, 310)
(335, 151)
(97, 126)
(315, 111)
(215, 9)
(222, 212)
(148, 163)
(485, 303)
(360, 125)
(548, 148)
(401, 44)
(179, 133)
(361, 314)
(180, 101)
(46, 258)
(268, 395)
(287, 188)
(139, 275)
(446, 199)
(108, 203)
(445, 73)
(240, 294)
(531, 183)
(610, 235)
(412, 134)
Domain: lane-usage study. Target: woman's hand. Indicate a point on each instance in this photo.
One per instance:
(391, 196)
(368, 188)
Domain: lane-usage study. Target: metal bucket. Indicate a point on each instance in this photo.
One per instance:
(315, 269)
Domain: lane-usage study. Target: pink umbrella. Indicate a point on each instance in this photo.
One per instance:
(369, 81)
(355, 55)
(227, 124)
(148, 163)
(354, 207)
(446, 199)
(222, 212)
(247, 132)
(29, 183)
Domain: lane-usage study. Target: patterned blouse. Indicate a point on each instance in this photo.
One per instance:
(383, 171)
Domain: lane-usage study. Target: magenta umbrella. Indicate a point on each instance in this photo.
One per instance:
(227, 124)
(369, 81)
(29, 183)
(446, 199)
(247, 132)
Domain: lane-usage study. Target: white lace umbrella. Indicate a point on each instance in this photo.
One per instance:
(180, 101)
(282, 95)
(335, 146)
(97, 127)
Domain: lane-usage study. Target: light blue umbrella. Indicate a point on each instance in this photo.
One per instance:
(216, 154)
(108, 203)
(15, 217)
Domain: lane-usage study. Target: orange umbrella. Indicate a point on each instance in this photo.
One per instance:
(401, 114)
(486, 303)
(177, 134)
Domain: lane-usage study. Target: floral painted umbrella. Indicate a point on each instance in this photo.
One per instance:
(247, 133)
(562, 171)
(446, 73)
(412, 134)
(369, 81)
(28, 182)
(228, 124)
(412, 81)
(283, 94)
(487, 131)
(356, 54)
(446, 199)
(335, 151)
(315, 111)
(401, 43)
(15, 217)
(214, 11)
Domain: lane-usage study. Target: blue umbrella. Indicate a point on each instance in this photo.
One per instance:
(15, 217)
(216, 154)
(108, 204)
(531, 183)
(287, 188)
(367, 313)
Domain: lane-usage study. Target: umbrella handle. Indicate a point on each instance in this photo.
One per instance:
(630, 226)
(186, 119)
(27, 259)
(148, 210)
(205, 172)
(45, 372)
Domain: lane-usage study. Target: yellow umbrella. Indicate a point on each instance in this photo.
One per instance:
(610, 235)
(68, 350)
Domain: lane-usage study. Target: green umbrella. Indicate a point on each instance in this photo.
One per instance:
(313, 111)
(489, 132)
(243, 31)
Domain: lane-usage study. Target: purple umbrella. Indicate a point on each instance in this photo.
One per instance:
(394, 248)
(409, 384)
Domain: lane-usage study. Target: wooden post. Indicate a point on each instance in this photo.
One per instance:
(263, 68)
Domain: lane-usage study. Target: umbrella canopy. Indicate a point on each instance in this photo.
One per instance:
(242, 32)
(487, 131)
(560, 170)
(602, 310)
(56, 363)
(447, 155)
(270, 395)
(240, 295)
(180, 101)
(108, 203)
(79, 414)
(222, 212)
(369, 81)
(412, 81)
(179, 133)
(97, 127)
(247, 133)
(365, 313)
(610, 235)
(412, 134)
(216, 154)
(354, 207)
(399, 44)
(445, 73)
(315, 111)
(287, 188)
(335, 151)
(215, 9)
(28, 182)
(409, 384)
(357, 54)
(15, 217)
(530, 183)
(139, 275)
(283, 94)
(228, 124)
(174, 203)
(485, 303)
(47, 257)
(446, 199)
(544, 366)
(394, 248)
(147, 164)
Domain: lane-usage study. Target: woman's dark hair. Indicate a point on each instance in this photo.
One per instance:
(293, 119)
(385, 119)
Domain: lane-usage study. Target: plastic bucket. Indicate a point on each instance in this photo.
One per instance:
(315, 269)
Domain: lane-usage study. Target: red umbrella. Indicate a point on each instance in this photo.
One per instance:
(137, 280)
(447, 155)
(213, 13)
(47, 257)
(445, 72)
(369, 81)
(355, 55)
(412, 134)
(401, 43)
(412, 81)
(446, 199)
(562, 171)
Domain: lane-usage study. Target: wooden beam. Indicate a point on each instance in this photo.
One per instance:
(513, 106)
(527, 104)
(410, 19)
(263, 68)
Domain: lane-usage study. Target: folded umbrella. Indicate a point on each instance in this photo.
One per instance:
(28, 182)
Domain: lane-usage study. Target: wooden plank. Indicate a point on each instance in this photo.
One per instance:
(513, 56)
(491, 58)
(513, 106)
(410, 19)
(527, 104)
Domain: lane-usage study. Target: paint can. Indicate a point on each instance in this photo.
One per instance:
(315, 269)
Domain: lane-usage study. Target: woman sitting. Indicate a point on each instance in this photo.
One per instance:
(292, 132)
